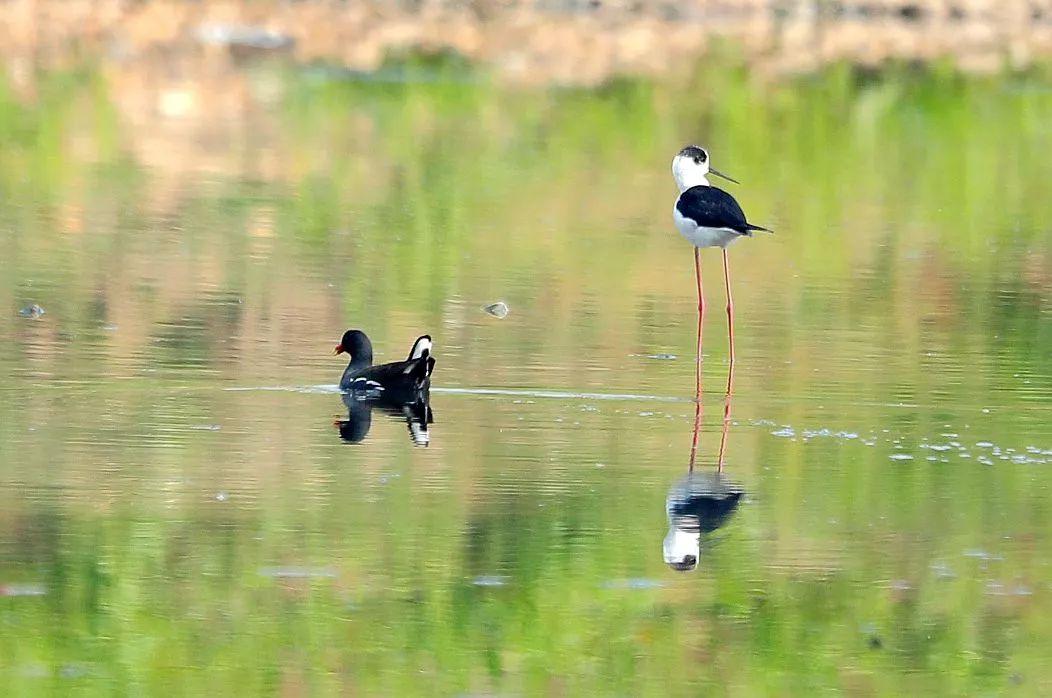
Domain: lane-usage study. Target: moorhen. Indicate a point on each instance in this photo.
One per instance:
(399, 381)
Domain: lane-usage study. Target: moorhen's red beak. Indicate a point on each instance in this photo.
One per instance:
(337, 350)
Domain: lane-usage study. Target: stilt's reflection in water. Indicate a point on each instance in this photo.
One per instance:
(703, 500)
(416, 413)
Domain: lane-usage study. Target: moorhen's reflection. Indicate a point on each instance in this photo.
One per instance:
(416, 413)
(703, 501)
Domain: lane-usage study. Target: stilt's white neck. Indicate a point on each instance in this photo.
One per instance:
(680, 543)
(691, 179)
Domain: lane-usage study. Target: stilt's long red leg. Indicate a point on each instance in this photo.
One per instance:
(726, 417)
(697, 428)
(730, 364)
(730, 319)
(697, 363)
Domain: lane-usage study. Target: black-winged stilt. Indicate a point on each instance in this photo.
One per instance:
(707, 216)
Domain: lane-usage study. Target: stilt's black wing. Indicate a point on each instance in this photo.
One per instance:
(711, 207)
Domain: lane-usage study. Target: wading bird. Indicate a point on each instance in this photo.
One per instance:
(708, 217)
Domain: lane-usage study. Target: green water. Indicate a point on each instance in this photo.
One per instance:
(178, 514)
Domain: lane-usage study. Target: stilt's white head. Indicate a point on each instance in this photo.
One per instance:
(690, 167)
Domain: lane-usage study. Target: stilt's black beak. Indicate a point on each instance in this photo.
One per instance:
(720, 174)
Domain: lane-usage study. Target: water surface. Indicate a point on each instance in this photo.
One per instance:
(178, 512)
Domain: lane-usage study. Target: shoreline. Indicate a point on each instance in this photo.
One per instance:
(567, 42)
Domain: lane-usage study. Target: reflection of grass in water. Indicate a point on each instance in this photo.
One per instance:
(186, 592)
(938, 169)
(403, 195)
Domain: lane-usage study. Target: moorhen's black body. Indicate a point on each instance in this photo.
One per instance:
(400, 381)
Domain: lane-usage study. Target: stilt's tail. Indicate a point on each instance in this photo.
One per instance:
(752, 227)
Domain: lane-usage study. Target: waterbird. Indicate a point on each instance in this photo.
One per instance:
(399, 381)
(697, 505)
(702, 501)
(417, 414)
(707, 216)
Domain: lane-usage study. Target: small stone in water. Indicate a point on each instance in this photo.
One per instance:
(498, 310)
(31, 311)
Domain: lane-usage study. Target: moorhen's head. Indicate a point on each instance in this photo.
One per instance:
(356, 344)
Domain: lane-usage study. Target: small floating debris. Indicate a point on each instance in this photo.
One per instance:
(75, 670)
(784, 432)
(980, 554)
(995, 589)
(70, 670)
(222, 496)
(658, 357)
(900, 456)
(490, 580)
(297, 572)
(984, 444)
(32, 312)
(23, 590)
(206, 427)
(633, 583)
(498, 310)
